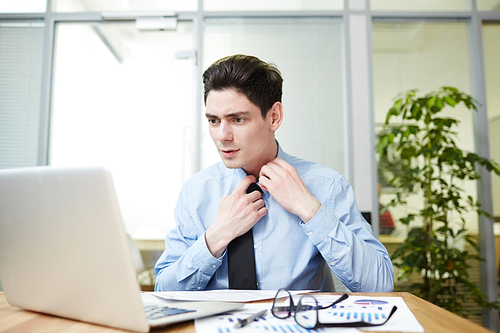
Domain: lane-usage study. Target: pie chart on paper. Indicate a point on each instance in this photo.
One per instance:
(370, 302)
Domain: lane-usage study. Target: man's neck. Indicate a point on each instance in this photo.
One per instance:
(270, 156)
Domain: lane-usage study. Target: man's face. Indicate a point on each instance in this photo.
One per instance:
(242, 137)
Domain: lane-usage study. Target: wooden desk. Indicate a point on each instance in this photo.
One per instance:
(434, 319)
(150, 244)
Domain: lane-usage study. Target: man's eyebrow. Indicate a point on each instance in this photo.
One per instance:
(237, 114)
(229, 115)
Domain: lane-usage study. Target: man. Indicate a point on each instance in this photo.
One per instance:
(305, 215)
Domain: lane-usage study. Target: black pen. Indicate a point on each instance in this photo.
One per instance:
(245, 322)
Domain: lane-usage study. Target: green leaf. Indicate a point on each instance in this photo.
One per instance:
(415, 111)
(450, 101)
(427, 119)
(431, 101)
(439, 103)
(452, 89)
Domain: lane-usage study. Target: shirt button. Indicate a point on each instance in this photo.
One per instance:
(214, 266)
(199, 288)
(256, 246)
(311, 233)
(332, 263)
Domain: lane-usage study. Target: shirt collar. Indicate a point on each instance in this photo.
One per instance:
(240, 173)
(281, 153)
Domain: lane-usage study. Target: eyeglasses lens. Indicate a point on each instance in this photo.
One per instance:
(307, 312)
(281, 305)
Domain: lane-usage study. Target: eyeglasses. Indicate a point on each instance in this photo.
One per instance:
(284, 310)
(306, 312)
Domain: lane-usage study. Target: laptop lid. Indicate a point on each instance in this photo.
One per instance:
(63, 248)
(64, 251)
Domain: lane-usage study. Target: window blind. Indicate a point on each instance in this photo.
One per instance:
(20, 84)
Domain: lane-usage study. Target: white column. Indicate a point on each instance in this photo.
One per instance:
(364, 177)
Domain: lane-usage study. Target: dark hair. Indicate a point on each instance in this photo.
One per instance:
(259, 81)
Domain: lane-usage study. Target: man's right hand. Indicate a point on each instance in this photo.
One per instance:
(237, 214)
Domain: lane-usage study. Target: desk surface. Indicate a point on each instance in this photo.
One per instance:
(434, 319)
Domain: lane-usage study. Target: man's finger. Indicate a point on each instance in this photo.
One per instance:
(258, 204)
(281, 163)
(268, 171)
(262, 183)
(254, 196)
(245, 182)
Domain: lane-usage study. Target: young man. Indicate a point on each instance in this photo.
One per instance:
(306, 213)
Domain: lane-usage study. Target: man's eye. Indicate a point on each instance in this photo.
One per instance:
(238, 120)
(212, 121)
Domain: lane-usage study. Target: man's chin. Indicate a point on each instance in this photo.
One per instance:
(231, 164)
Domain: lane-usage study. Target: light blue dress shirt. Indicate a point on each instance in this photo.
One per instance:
(288, 252)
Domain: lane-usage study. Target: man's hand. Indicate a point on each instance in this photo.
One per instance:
(237, 214)
(283, 182)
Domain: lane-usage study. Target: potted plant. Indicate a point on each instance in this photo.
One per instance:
(418, 145)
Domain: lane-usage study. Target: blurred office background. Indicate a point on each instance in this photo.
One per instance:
(118, 83)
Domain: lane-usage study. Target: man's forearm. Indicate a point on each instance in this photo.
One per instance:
(190, 271)
(356, 258)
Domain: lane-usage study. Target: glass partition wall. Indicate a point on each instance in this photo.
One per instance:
(119, 84)
(310, 55)
(491, 36)
(423, 55)
(420, 51)
(123, 99)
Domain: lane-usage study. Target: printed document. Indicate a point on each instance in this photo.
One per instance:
(355, 308)
(224, 295)
(224, 323)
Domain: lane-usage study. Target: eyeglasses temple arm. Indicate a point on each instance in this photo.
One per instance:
(340, 299)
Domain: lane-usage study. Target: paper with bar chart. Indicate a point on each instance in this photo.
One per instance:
(354, 309)
(372, 310)
(225, 323)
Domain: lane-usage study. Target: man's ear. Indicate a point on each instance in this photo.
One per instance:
(276, 116)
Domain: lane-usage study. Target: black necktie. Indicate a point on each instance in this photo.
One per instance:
(241, 258)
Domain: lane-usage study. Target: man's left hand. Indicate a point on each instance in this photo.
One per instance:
(285, 185)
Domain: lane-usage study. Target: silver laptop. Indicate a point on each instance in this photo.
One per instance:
(64, 251)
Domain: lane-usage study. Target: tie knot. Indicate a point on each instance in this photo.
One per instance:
(254, 187)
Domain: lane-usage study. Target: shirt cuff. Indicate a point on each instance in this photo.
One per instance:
(202, 260)
(320, 226)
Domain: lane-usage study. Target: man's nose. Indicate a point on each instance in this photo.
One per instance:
(225, 132)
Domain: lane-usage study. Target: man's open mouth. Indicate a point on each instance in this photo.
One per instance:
(229, 152)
